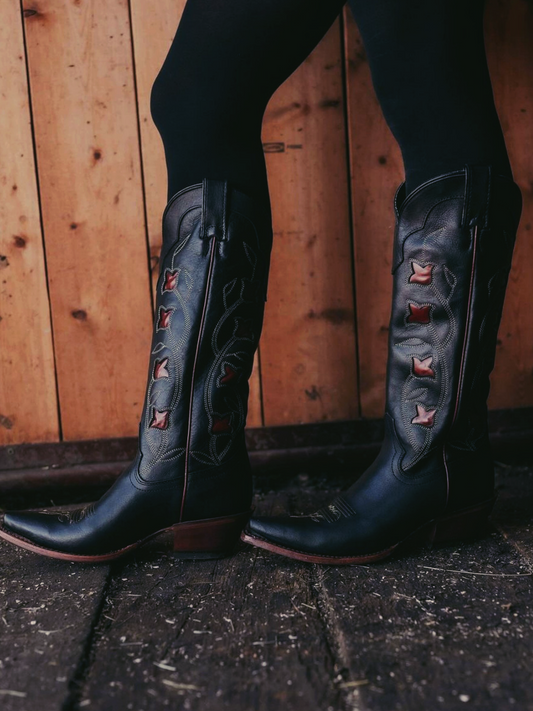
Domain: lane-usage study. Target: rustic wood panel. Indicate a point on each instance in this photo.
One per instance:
(153, 29)
(510, 49)
(81, 77)
(376, 169)
(90, 73)
(28, 403)
(308, 354)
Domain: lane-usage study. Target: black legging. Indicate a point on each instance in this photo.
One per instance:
(428, 66)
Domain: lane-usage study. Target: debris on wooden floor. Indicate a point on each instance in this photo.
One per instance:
(449, 628)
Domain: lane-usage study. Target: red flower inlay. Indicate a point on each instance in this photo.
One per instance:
(230, 374)
(221, 424)
(424, 417)
(171, 279)
(160, 369)
(164, 317)
(421, 275)
(418, 314)
(159, 419)
(423, 368)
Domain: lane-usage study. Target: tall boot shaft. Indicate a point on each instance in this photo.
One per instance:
(434, 477)
(452, 255)
(191, 476)
(209, 310)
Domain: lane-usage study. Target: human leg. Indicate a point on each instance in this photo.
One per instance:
(227, 59)
(429, 71)
(434, 477)
(191, 476)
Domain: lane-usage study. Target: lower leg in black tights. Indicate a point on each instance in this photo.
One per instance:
(428, 65)
(225, 62)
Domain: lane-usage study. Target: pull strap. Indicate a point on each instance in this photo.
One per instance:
(478, 188)
(215, 197)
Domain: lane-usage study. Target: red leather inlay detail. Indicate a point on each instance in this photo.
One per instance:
(244, 328)
(230, 374)
(171, 279)
(160, 369)
(423, 368)
(424, 417)
(159, 419)
(421, 275)
(221, 424)
(418, 314)
(164, 317)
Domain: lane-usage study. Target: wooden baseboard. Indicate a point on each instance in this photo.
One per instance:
(276, 453)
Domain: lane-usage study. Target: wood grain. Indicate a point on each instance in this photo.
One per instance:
(153, 29)
(449, 628)
(48, 609)
(308, 348)
(92, 204)
(376, 170)
(242, 633)
(28, 402)
(509, 31)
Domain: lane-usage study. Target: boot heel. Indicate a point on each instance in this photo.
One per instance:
(467, 523)
(208, 539)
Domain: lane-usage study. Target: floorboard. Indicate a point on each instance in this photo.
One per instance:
(48, 611)
(449, 628)
(241, 633)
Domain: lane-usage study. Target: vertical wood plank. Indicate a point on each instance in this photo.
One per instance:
(81, 77)
(509, 29)
(376, 170)
(28, 402)
(308, 361)
(153, 29)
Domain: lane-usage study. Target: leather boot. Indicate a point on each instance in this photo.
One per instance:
(434, 477)
(191, 476)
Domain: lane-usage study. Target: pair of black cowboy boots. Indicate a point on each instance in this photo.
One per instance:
(434, 477)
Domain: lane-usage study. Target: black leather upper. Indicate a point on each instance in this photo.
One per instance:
(192, 461)
(452, 254)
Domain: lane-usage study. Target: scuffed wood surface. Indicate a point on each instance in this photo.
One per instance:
(450, 628)
(48, 610)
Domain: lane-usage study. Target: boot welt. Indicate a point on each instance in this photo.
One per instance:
(466, 523)
(203, 539)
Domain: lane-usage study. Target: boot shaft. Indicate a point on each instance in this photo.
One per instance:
(209, 309)
(452, 254)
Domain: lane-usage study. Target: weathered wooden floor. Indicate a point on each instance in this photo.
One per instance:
(447, 629)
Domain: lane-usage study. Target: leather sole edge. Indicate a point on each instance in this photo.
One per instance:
(207, 538)
(459, 525)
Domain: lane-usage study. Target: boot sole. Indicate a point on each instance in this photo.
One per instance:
(467, 523)
(206, 539)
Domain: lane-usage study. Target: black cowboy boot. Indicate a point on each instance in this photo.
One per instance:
(191, 476)
(434, 477)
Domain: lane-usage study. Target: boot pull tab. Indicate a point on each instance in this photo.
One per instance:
(478, 188)
(214, 209)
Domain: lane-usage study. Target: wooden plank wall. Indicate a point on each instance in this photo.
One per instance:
(83, 188)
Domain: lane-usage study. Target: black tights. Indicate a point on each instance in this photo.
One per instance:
(228, 57)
